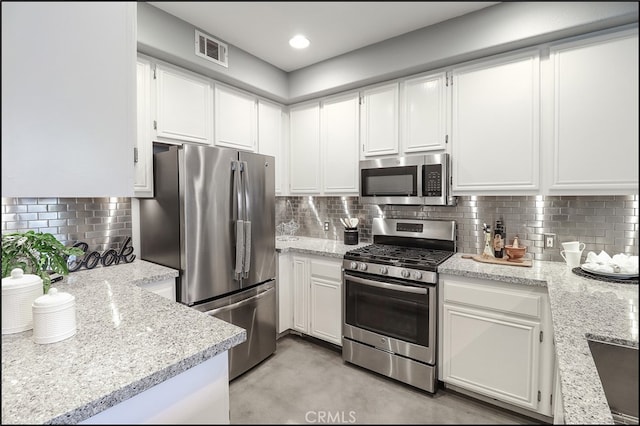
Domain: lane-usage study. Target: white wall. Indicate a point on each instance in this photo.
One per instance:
(500, 28)
(496, 29)
(166, 37)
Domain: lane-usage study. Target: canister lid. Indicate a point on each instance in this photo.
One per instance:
(19, 279)
(53, 298)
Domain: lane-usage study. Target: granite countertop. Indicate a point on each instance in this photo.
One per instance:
(580, 307)
(324, 247)
(126, 342)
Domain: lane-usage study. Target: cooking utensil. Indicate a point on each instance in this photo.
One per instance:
(344, 223)
(354, 222)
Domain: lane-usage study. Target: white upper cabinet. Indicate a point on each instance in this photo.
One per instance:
(380, 120)
(423, 113)
(304, 149)
(68, 99)
(324, 146)
(496, 126)
(143, 155)
(340, 139)
(270, 138)
(594, 115)
(235, 118)
(184, 106)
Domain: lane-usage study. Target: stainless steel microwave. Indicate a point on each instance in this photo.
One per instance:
(408, 180)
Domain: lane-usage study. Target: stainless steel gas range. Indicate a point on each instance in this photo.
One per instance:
(390, 299)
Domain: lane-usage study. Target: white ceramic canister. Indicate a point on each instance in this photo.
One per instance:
(54, 317)
(18, 293)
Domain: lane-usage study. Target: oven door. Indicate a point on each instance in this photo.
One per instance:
(392, 315)
(392, 180)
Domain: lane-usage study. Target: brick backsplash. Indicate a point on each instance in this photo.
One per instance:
(608, 223)
(102, 223)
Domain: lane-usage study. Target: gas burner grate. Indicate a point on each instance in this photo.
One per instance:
(399, 255)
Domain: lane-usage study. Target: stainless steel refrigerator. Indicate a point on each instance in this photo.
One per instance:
(213, 219)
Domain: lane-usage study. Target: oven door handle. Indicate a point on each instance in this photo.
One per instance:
(388, 286)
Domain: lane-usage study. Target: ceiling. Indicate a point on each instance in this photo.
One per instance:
(264, 28)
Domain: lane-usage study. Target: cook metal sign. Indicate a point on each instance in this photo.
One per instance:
(107, 258)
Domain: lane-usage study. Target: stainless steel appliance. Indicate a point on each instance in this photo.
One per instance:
(413, 180)
(213, 219)
(390, 299)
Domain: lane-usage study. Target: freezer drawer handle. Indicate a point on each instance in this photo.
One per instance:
(240, 303)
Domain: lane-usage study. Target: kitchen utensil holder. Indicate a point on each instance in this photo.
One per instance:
(351, 237)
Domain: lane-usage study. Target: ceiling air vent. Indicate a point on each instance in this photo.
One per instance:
(211, 49)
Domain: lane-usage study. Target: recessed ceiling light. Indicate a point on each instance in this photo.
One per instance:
(299, 42)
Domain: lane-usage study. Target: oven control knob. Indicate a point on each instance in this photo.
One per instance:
(354, 265)
(404, 273)
(417, 275)
(363, 266)
(384, 270)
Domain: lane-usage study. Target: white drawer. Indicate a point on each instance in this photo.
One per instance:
(327, 269)
(516, 300)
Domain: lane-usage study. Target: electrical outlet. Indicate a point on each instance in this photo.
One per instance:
(549, 240)
(326, 226)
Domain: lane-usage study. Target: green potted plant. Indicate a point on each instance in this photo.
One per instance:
(36, 253)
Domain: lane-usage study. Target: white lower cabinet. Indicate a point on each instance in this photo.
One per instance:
(497, 341)
(283, 285)
(311, 302)
(325, 300)
(165, 288)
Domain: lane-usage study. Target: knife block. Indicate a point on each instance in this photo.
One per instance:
(351, 237)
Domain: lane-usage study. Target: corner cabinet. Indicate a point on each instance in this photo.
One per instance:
(143, 155)
(271, 139)
(304, 149)
(315, 296)
(184, 106)
(235, 118)
(594, 111)
(339, 138)
(495, 126)
(496, 340)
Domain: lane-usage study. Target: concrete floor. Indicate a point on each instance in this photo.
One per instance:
(307, 382)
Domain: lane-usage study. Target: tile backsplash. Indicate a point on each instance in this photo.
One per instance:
(608, 223)
(102, 223)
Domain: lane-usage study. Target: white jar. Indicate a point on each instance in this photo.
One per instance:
(18, 293)
(54, 317)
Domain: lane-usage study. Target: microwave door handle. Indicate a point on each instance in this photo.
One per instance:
(246, 265)
(239, 223)
(388, 286)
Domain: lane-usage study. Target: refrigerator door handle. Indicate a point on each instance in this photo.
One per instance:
(247, 223)
(237, 193)
(240, 303)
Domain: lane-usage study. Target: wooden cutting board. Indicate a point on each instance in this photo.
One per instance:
(480, 258)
